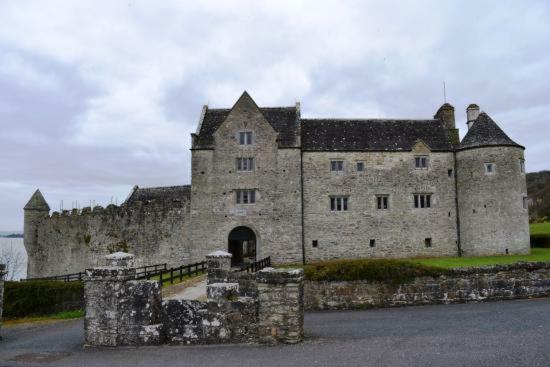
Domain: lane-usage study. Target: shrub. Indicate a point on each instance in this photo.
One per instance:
(540, 240)
(393, 271)
(41, 297)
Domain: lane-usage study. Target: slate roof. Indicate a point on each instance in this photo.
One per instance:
(37, 202)
(485, 132)
(159, 194)
(373, 135)
(282, 119)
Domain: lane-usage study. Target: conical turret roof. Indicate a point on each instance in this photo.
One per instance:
(485, 132)
(37, 202)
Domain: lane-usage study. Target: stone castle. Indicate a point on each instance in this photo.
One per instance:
(266, 182)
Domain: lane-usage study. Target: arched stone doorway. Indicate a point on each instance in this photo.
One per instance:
(242, 245)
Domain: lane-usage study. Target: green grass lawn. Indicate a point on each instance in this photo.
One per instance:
(537, 254)
(540, 228)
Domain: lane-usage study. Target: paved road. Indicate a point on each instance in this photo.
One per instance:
(514, 333)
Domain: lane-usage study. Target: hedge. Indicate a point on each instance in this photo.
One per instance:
(393, 271)
(41, 297)
(540, 240)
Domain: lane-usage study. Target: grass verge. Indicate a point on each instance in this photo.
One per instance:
(540, 228)
(65, 315)
(537, 255)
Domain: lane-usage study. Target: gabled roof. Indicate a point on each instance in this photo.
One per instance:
(282, 119)
(485, 132)
(373, 135)
(37, 202)
(159, 194)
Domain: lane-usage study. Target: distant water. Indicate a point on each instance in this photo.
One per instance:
(12, 252)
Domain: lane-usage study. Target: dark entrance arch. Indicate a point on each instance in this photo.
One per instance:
(242, 245)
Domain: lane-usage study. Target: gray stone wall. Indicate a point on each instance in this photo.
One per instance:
(399, 231)
(73, 241)
(281, 305)
(492, 217)
(276, 216)
(123, 311)
(120, 310)
(524, 280)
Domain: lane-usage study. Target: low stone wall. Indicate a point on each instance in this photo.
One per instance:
(2, 273)
(522, 280)
(124, 311)
(119, 309)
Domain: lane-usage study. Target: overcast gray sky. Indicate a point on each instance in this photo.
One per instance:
(97, 96)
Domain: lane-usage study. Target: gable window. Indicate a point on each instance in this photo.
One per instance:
(422, 200)
(246, 196)
(522, 165)
(337, 166)
(245, 164)
(421, 162)
(490, 168)
(245, 137)
(360, 166)
(382, 202)
(338, 203)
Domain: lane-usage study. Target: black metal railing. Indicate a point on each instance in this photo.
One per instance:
(140, 271)
(173, 274)
(257, 265)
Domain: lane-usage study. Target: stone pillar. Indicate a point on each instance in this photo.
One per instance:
(281, 305)
(119, 309)
(2, 273)
(219, 266)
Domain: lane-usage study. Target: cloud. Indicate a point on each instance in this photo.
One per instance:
(96, 96)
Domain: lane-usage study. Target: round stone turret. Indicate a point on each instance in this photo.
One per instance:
(35, 211)
(491, 192)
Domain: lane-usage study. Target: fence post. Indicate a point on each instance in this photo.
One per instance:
(2, 273)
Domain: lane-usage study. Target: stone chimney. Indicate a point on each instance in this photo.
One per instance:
(446, 113)
(472, 112)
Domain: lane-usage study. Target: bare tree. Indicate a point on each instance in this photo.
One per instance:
(14, 259)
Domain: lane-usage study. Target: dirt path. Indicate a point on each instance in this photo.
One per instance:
(191, 289)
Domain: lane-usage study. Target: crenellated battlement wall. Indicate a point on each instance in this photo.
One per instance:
(156, 231)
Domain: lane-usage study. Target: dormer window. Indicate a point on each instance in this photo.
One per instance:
(490, 168)
(245, 137)
(421, 162)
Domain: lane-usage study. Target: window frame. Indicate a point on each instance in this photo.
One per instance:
(421, 162)
(338, 164)
(360, 164)
(339, 203)
(422, 201)
(245, 196)
(493, 169)
(382, 202)
(242, 162)
(245, 137)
